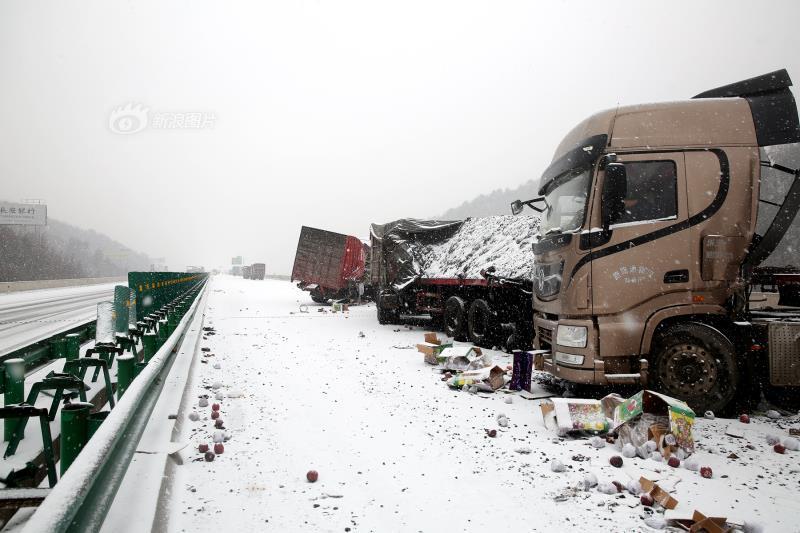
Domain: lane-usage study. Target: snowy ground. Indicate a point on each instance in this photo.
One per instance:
(29, 316)
(396, 450)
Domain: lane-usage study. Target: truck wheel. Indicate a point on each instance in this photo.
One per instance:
(385, 316)
(481, 323)
(455, 315)
(697, 364)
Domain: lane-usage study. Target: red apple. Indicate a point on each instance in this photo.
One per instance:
(706, 472)
(218, 423)
(674, 462)
(218, 448)
(647, 500)
(312, 476)
(780, 448)
(214, 415)
(215, 407)
(616, 461)
(744, 419)
(209, 456)
(202, 447)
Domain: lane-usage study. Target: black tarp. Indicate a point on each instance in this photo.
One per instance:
(396, 248)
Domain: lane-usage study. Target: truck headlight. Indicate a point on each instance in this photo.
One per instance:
(574, 336)
(569, 358)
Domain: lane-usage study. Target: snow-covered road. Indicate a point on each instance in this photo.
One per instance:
(29, 316)
(396, 450)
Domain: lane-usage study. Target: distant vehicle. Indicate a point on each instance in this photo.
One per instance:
(330, 266)
(247, 272)
(258, 271)
(488, 306)
(236, 270)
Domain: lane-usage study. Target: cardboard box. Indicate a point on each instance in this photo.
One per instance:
(432, 338)
(431, 352)
(680, 415)
(702, 523)
(574, 414)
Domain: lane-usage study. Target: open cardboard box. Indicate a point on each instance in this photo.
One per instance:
(573, 414)
(680, 415)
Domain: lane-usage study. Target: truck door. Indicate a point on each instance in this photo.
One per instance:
(643, 262)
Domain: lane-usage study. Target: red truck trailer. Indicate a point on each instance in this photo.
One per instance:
(471, 278)
(329, 265)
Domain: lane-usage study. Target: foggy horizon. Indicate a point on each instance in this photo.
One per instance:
(263, 118)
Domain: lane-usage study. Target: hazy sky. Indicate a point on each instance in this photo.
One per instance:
(265, 116)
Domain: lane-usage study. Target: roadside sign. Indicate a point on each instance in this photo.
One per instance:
(23, 214)
(236, 260)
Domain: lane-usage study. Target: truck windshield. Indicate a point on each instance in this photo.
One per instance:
(566, 202)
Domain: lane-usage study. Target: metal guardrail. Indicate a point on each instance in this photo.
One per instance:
(82, 498)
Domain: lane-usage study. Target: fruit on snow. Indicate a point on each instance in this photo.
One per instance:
(215, 407)
(209, 456)
(674, 462)
(616, 461)
(219, 448)
(705, 471)
(312, 476)
(780, 448)
(202, 447)
(218, 423)
(744, 418)
(647, 500)
(214, 415)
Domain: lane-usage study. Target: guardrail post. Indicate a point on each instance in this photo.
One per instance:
(125, 373)
(95, 419)
(58, 348)
(163, 331)
(14, 392)
(149, 345)
(74, 431)
(73, 348)
(137, 368)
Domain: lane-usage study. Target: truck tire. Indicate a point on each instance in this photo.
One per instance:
(696, 363)
(455, 317)
(385, 316)
(482, 323)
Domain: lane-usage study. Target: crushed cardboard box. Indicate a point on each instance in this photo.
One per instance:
(486, 379)
(462, 358)
(701, 523)
(658, 494)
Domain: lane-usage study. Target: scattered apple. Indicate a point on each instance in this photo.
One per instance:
(214, 415)
(706, 472)
(312, 476)
(215, 407)
(616, 461)
(218, 423)
(674, 462)
(202, 447)
(219, 448)
(209, 456)
(780, 448)
(744, 418)
(647, 500)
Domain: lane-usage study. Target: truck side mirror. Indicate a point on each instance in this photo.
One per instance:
(615, 189)
(516, 207)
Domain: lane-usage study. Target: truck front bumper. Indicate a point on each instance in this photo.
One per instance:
(584, 365)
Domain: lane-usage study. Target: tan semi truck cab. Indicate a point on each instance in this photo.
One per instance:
(648, 244)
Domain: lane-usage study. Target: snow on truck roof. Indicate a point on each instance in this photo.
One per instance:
(504, 241)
